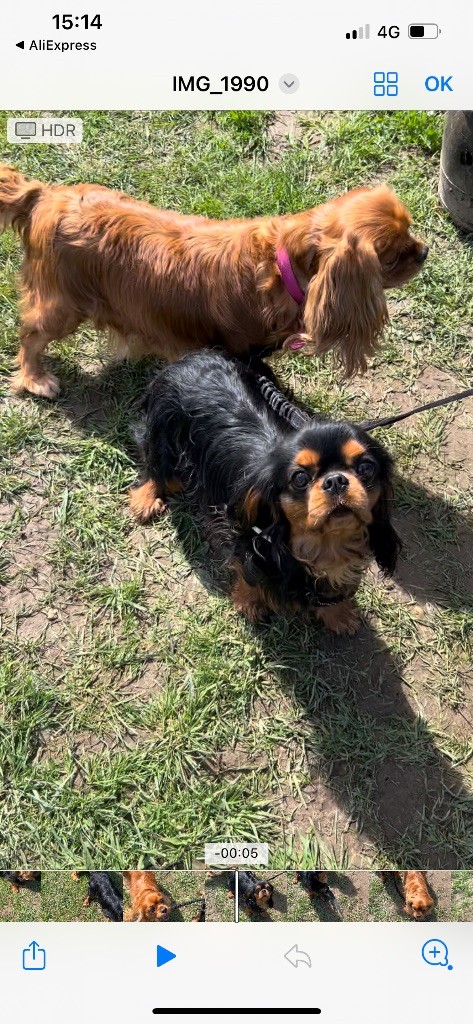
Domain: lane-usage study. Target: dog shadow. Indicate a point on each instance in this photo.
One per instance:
(327, 909)
(279, 903)
(359, 683)
(408, 786)
(279, 907)
(342, 883)
(396, 897)
(102, 403)
(32, 885)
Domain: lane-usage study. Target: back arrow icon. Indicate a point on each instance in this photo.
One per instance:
(297, 956)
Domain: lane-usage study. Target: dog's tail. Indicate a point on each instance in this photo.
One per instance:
(18, 197)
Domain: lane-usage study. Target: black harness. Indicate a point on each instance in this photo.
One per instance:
(299, 581)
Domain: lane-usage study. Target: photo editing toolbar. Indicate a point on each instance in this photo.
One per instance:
(236, 574)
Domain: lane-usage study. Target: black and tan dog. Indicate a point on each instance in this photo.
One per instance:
(20, 878)
(315, 884)
(296, 513)
(103, 891)
(255, 894)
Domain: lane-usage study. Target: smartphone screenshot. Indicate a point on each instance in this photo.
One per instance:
(236, 530)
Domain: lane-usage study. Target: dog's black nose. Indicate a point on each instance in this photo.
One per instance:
(335, 484)
(422, 254)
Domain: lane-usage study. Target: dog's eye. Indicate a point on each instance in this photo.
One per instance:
(366, 469)
(300, 479)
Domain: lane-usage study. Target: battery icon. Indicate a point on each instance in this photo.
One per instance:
(423, 31)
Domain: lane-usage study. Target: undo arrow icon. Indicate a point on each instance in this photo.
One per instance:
(297, 956)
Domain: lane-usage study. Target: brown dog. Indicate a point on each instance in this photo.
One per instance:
(418, 901)
(165, 283)
(148, 902)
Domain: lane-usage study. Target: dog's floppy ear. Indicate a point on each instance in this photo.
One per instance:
(384, 542)
(250, 506)
(345, 305)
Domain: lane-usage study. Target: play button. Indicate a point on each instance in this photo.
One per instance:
(163, 956)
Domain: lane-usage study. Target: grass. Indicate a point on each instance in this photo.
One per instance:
(140, 717)
(62, 898)
(24, 905)
(182, 886)
(218, 905)
(462, 896)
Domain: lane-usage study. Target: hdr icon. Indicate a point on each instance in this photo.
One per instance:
(45, 129)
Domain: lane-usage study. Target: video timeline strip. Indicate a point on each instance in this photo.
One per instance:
(223, 896)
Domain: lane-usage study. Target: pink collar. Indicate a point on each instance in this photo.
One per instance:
(288, 276)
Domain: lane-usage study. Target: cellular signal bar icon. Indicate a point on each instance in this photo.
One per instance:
(359, 33)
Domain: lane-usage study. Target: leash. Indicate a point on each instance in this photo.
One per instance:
(281, 405)
(274, 876)
(187, 903)
(386, 421)
(297, 419)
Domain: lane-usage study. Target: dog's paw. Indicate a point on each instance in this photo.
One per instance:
(254, 611)
(45, 385)
(145, 502)
(342, 619)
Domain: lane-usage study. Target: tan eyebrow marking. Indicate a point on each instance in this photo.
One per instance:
(307, 457)
(352, 449)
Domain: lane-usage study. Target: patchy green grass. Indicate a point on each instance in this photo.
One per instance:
(182, 886)
(219, 906)
(62, 898)
(24, 905)
(140, 717)
(462, 896)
